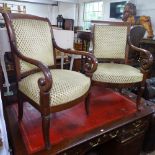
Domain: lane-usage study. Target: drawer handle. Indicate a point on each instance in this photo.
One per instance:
(113, 135)
(95, 144)
(137, 124)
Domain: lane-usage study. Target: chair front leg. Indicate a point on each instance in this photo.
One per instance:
(139, 95)
(46, 130)
(87, 103)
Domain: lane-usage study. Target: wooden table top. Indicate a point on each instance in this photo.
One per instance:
(72, 130)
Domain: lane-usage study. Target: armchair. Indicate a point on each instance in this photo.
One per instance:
(46, 88)
(111, 42)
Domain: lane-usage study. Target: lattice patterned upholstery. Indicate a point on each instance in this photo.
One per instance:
(46, 88)
(110, 41)
(33, 40)
(117, 73)
(67, 86)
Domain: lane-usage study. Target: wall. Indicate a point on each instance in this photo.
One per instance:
(75, 11)
(67, 9)
(146, 8)
(106, 9)
(37, 9)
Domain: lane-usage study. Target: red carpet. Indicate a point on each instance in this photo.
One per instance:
(106, 107)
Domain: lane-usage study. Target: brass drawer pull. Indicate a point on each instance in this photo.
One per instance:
(95, 143)
(137, 123)
(113, 135)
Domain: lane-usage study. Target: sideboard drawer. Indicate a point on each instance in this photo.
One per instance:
(122, 135)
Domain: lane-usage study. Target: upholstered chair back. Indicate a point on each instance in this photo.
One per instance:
(110, 41)
(34, 40)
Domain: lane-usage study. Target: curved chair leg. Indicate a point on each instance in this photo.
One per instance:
(46, 132)
(20, 108)
(87, 103)
(139, 95)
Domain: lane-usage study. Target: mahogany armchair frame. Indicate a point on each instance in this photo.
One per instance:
(145, 61)
(45, 83)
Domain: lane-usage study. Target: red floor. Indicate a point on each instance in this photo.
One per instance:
(106, 107)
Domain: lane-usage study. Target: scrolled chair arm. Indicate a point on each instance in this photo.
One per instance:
(89, 67)
(45, 83)
(146, 58)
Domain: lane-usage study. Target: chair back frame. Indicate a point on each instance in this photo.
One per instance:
(109, 23)
(10, 17)
(44, 83)
(145, 62)
(137, 33)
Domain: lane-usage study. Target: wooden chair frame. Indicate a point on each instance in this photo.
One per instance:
(145, 61)
(45, 83)
(137, 33)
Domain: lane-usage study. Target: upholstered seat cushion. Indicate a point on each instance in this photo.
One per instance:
(117, 73)
(67, 86)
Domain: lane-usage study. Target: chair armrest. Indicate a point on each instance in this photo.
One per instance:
(45, 83)
(90, 67)
(146, 58)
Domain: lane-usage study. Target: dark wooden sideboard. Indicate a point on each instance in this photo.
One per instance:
(125, 135)
(149, 44)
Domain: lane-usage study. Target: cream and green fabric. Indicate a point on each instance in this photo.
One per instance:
(33, 40)
(110, 41)
(117, 73)
(67, 86)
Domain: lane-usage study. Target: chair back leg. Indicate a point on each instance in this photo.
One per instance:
(46, 130)
(20, 107)
(139, 95)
